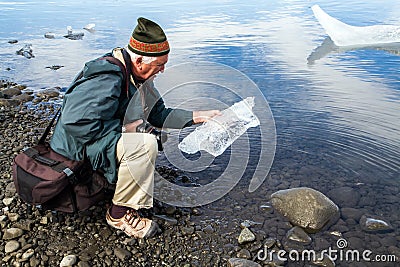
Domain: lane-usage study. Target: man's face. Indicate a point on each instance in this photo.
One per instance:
(145, 71)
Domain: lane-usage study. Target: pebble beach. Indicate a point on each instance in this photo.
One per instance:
(234, 231)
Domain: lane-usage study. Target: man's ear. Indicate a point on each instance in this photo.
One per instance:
(138, 61)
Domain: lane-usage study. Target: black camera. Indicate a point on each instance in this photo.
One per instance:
(161, 136)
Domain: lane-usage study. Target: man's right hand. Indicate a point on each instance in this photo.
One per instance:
(132, 126)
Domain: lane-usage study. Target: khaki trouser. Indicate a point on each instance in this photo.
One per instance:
(136, 153)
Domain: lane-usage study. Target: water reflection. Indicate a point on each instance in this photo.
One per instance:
(328, 47)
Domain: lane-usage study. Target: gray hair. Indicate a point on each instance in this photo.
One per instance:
(145, 59)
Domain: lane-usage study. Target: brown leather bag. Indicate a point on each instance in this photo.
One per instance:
(46, 178)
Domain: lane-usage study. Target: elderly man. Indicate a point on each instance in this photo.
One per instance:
(92, 124)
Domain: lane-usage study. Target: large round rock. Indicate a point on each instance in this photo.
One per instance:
(305, 207)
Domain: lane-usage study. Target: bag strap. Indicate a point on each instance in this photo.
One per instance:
(125, 71)
(42, 139)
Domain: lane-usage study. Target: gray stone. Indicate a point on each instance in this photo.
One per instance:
(122, 253)
(305, 207)
(68, 260)
(246, 236)
(237, 262)
(248, 223)
(299, 235)
(12, 246)
(351, 213)
(23, 98)
(10, 92)
(12, 233)
(27, 254)
(375, 225)
(244, 254)
(49, 92)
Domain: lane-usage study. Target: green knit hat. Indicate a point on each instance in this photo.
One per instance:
(148, 39)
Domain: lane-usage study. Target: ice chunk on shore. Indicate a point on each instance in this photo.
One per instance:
(216, 135)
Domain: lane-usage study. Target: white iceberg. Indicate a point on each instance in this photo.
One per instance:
(216, 135)
(343, 34)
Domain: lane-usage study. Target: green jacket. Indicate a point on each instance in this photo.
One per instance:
(93, 112)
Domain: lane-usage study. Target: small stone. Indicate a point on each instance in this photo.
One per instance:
(12, 233)
(12, 246)
(122, 253)
(371, 224)
(68, 260)
(187, 230)
(8, 200)
(13, 216)
(237, 262)
(44, 220)
(208, 229)
(266, 208)
(27, 254)
(246, 236)
(248, 224)
(244, 254)
(299, 235)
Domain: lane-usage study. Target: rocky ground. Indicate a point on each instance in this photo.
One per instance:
(238, 230)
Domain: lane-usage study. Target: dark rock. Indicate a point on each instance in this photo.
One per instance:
(344, 196)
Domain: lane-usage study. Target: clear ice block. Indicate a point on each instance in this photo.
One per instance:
(216, 135)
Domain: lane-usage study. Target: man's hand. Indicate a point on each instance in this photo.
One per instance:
(132, 126)
(200, 116)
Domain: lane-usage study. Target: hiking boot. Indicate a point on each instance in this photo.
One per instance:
(133, 225)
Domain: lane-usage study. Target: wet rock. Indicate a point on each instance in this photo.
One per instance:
(266, 208)
(248, 224)
(75, 36)
(305, 207)
(246, 236)
(374, 225)
(23, 98)
(10, 92)
(344, 196)
(54, 67)
(12, 233)
(49, 92)
(68, 260)
(237, 262)
(299, 235)
(8, 102)
(49, 35)
(351, 213)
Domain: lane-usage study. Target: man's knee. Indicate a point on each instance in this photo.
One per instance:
(150, 144)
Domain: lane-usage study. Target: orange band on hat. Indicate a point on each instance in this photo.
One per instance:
(149, 48)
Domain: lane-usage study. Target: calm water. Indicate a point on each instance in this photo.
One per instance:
(337, 118)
